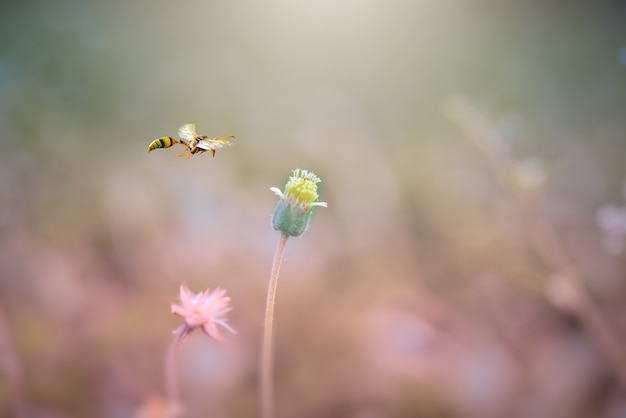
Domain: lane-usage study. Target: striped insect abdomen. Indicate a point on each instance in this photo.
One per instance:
(163, 142)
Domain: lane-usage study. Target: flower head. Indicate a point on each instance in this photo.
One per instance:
(295, 205)
(205, 309)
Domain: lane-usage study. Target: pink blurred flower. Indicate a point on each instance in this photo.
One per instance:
(205, 309)
(612, 221)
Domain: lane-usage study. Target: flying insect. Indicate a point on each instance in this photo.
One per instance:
(194, 143)
(197, 144)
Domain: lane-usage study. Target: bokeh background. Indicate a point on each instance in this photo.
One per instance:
(469, 263)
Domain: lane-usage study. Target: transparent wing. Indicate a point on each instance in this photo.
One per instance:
(187, 132)
(215, 143)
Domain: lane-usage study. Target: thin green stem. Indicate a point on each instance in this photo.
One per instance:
(266, 372)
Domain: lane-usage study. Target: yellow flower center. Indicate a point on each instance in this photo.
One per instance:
(301, 187)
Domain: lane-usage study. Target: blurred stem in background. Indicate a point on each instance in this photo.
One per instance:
(11, 369)
(171, 380)
(564, 288)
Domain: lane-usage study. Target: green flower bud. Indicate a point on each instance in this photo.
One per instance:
(294, 208)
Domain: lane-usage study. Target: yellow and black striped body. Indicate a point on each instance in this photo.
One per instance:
(163, 142)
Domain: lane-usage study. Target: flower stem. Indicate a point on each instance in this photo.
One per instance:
(267, 396)
(171, 380)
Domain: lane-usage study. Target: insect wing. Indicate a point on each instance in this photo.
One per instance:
(215, 143)
(188, 132)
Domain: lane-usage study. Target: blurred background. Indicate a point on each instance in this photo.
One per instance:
(470, 262)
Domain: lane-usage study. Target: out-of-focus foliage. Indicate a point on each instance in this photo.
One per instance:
(441, 131)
